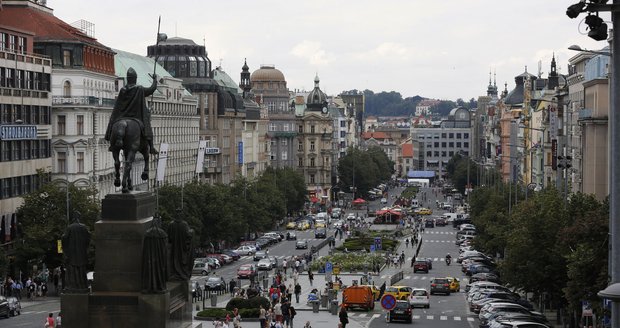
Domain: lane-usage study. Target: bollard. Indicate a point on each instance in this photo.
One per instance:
(213, 299)
(334, 307)
(315, 307)
(324, 300)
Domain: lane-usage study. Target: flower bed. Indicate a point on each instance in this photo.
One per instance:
(349, 262)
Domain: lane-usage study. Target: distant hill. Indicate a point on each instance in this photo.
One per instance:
(392, 104)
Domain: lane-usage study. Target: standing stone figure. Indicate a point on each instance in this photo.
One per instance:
(131, 103)
(75, 243)
(154, 259)
(180, 238)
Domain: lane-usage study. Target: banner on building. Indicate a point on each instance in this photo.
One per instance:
(200, 157)
(161, 163)
(553, 122)
(554, 154)
(240, 153)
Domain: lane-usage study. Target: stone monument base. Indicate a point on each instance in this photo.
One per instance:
(116, 300)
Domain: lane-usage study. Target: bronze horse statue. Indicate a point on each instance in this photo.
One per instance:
(126, 136)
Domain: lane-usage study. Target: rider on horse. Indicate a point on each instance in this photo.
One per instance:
(131, 104)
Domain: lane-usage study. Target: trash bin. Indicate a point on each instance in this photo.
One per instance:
(334, 307)
(315, 307)
(324, 300)
(213, 299)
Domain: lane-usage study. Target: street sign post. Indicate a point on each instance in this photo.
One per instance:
(329, 267)
(388, 302)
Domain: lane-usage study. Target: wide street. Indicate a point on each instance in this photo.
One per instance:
(445, 311)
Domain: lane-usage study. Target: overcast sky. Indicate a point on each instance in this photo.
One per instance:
(435, 48)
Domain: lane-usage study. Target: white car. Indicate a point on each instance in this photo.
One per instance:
(245, 250)
(264, 264)
(419, 297)
(384, 200)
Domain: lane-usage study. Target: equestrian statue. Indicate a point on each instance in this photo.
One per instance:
(129, 129)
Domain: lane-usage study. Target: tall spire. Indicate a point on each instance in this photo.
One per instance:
(245, 84)
(553, 81)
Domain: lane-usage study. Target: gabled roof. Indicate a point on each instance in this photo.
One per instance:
(374, 135)
(45, 26)
(407, 150)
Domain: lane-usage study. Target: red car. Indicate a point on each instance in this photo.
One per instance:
(247, 271)
(420, 265)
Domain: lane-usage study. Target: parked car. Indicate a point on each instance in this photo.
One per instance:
(220, 257)
(484, 277)
(4, 307)
(402, 311)
(247, 271)
(264, 264)
(291, 225)
(320, 233)
(215, 283)
(15, 306)
(245, 250)
(420, 265)
(440, 285)
(419, 297)
(200, 268)
(274, 235)
(301, 244)
(260, 255)
(262, 243)
(235, 256)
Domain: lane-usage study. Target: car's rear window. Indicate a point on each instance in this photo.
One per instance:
(402, 305)
(420, 293)
(420, 262)
(440, 281)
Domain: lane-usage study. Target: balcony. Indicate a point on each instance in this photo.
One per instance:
(82, 101)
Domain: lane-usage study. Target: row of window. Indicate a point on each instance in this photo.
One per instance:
(443, 153)
(444, 135)
(28, 114)
(184, 66)
(22, 79)
(61, 125)
(13, 43)
(447, 144)
(18, 150)
(61, 162)
(19, 186)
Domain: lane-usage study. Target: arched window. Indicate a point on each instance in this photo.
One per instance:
(66, 89)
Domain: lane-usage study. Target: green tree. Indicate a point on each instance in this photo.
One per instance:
(532, 261)
(43, 220)
(362, 169)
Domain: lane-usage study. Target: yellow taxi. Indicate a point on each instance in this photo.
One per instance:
(291, 225)
(375, 291)
(399, 292)
(320, 224)
(455, 284)
(425, 211)
(303, 225)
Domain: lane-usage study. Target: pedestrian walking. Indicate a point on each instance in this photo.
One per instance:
(49, 321)
(310, 276)
(291, 313)
(262, 317)
(297, 292)
(343, 316)
(59, 320)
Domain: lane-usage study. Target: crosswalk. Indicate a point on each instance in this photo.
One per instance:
(440, 241)
(439, 232)
(416, 277)
(415, 317)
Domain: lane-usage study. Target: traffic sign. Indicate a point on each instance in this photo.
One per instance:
(378, 243)
(372, 248)
(336, 270)
(328, 267)
(388, 301)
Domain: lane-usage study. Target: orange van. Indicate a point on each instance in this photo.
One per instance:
(358, 297)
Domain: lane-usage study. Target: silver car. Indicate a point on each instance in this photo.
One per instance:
(264, 264)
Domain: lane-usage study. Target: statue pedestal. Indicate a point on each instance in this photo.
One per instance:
(116, 299)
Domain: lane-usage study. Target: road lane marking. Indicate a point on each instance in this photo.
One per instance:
(430, 317)
(376, 315)
(362, 315)
(443, 317)
(457, 318)
(470, 319)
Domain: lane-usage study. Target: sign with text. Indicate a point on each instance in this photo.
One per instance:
(161, 163)
(18, 132)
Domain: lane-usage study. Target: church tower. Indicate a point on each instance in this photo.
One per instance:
(244, 84)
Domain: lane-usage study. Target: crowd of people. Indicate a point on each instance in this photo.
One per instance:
(33, 287)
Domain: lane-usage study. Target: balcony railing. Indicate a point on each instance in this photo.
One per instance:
(82, 101)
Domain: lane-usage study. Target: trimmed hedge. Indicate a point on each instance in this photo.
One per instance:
(221, 313)
(349, 262)
(363, 243)
(253, 303)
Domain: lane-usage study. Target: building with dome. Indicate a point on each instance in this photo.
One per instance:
(220, 105)
(315, 142)
(269, 87)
